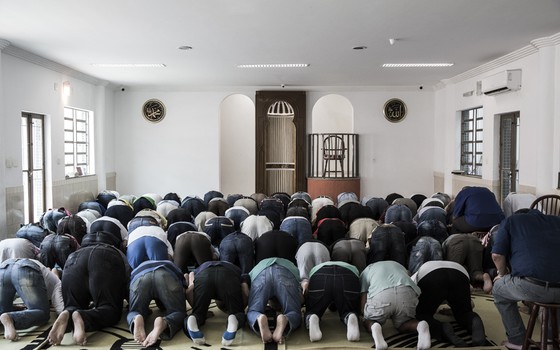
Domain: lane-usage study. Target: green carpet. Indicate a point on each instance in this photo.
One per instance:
(334, 335)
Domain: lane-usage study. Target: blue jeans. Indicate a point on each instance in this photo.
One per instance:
(508, 291)
(56, 248)
(237, 248)
(299, 227)
(425, 249)
(387, 243)
(33, 232)
(148, 287)
(24, 277)
(275, 281)
(398, 212)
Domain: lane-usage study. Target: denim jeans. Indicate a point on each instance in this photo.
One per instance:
(237, 215)
(33, 233)
(93, 205)
(432, 213)
(507, 291)
(146, 248)
(378, 206)
(434, 229)
(333, 284)
(162, 285)
(387, 243)
(275, 281)
(347, 196)
(425, 249)
(299, 227)
(398, 212)
(302, 195)
(56, 248)
(218, 228)
(237, 248)
(24, 277)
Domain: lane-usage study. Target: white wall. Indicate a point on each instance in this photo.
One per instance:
(32, 88)
(179, 154)
(237, 139)
(394, 157)
(537, 102)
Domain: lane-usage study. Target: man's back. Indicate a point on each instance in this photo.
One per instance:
(531, 242)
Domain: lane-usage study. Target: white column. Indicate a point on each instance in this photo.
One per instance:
(99, 147)
(3, 223)
(546, 172)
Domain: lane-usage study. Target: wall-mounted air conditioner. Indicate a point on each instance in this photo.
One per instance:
(508, 80)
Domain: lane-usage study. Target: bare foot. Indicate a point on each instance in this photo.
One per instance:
(79, 329)
(281, 323)
(159, 326)
(266, 335)
(59, 328)
(139, 329)
(9, 328)
(487, 287)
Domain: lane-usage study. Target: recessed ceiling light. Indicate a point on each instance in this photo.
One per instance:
(359, 48)
(185, 47)
(129, 65)
(274, 65)
(416, 65)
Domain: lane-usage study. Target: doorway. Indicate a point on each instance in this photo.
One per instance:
(33, 165)
(509, 153)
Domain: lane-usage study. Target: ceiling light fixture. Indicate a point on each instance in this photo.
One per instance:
(274, 65)
(416, 65)
(129, 65)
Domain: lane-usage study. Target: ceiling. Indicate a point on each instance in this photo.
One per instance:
(322, 33)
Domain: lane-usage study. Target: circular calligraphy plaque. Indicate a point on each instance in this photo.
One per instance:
(394, 110)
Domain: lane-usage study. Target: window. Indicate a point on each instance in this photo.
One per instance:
(77, 146)
(471, 141)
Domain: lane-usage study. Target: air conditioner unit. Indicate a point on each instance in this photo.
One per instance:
(508, 80)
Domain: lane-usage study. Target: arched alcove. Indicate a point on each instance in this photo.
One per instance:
(237, 145)
(333, 148)
(332, 114)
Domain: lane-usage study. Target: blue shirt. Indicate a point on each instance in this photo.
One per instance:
(531, 244)
(479, 207)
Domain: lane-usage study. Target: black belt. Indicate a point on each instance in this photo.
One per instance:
(542, 283)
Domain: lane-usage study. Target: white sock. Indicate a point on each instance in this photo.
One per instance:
(376, 332)
(314, 329)
(232, 323)
(192, 324)
(424, 337)
(352, 328)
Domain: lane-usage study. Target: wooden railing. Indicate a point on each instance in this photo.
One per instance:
(332, 155)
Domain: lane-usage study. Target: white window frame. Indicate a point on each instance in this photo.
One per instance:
(78, 142)
(471, 139)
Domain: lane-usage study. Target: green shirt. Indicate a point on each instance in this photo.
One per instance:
(383, 275)
(263, 264)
